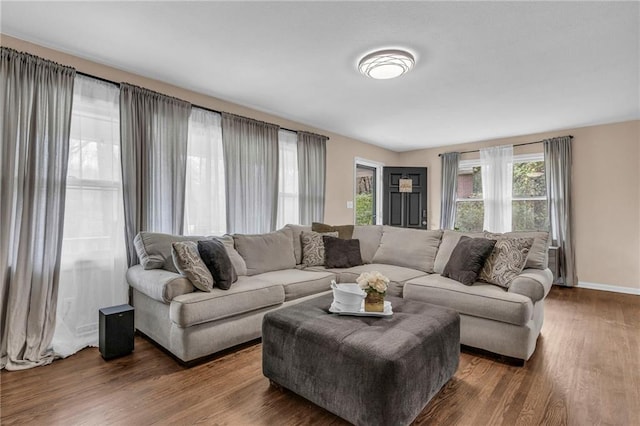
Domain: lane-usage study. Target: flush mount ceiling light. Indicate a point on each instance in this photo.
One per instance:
(385, 64)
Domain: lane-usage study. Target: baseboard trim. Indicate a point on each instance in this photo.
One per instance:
(607, 287)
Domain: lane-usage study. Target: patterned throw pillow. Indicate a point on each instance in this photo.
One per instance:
(313, 247)
(188, 263)
(506, 261)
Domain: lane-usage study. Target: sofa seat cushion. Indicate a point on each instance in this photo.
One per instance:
(246, 295)
(397, 275)
(299, 283)
(481, 300)
(158, 284)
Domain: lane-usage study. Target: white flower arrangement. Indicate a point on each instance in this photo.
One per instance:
(373, 282)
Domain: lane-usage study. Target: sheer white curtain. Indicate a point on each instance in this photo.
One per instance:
(94, 260)
(205, 206)
(288, 205)
(496, 165)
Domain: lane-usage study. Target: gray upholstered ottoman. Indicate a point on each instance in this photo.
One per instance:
(369, 371)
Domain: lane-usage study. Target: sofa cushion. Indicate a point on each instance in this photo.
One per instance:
(215, 257)
(397, 275)
(158, 284)
(341, 253)
(506, 261)
(313, 247)
(299, 283)
(369, 236)
(467, 259)
(538, 257)
(266, 252)
(533, 283)
(154, 249)
(188, 262)
(344, 231)
(449, 242)
(412, 248)
(246, 295)
(237, 261)
(296, 232)
(480, 300)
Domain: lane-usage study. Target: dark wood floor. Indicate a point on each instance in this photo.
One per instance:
(585, 371)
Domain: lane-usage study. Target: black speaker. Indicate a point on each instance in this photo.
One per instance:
(116, 331)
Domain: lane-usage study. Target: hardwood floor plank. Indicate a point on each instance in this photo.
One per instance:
(586, 370)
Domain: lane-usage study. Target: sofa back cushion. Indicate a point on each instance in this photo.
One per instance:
(449, 242)
(369, 236)
(411, 248)
(296, 233)
(154, 249)
(266, 252)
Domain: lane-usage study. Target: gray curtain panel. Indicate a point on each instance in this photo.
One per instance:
(449, 161)
(36, 97)
(557, 162)
(153, 136)
(251, 172)
(312, 163)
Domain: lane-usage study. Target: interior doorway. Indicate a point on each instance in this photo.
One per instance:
(367, 192)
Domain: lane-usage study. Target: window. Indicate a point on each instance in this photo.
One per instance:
(205, 210)
(93, 259)
(529, 195)
(367, 192)
(288, 190)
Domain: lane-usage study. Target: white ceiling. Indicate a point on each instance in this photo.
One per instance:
(484, 69)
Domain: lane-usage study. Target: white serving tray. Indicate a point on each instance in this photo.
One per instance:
(362, 313)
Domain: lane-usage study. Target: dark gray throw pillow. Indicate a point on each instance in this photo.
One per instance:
(215, 256)
(339, 253)
(467, 259)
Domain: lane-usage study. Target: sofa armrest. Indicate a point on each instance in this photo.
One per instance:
(158, 284)
(533, 283)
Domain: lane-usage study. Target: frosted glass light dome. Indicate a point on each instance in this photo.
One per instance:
(385, 64)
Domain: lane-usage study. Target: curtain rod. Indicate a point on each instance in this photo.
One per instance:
(197, 106)
(516, 144)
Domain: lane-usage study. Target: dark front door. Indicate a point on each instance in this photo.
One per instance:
(406, 207)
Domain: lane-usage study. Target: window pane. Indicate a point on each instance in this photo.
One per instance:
(288, 210)
(470, 183)
(529, 179)
(205, 201)
(469, 216)
(530, 215)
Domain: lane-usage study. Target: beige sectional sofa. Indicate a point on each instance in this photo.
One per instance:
(192, 324)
